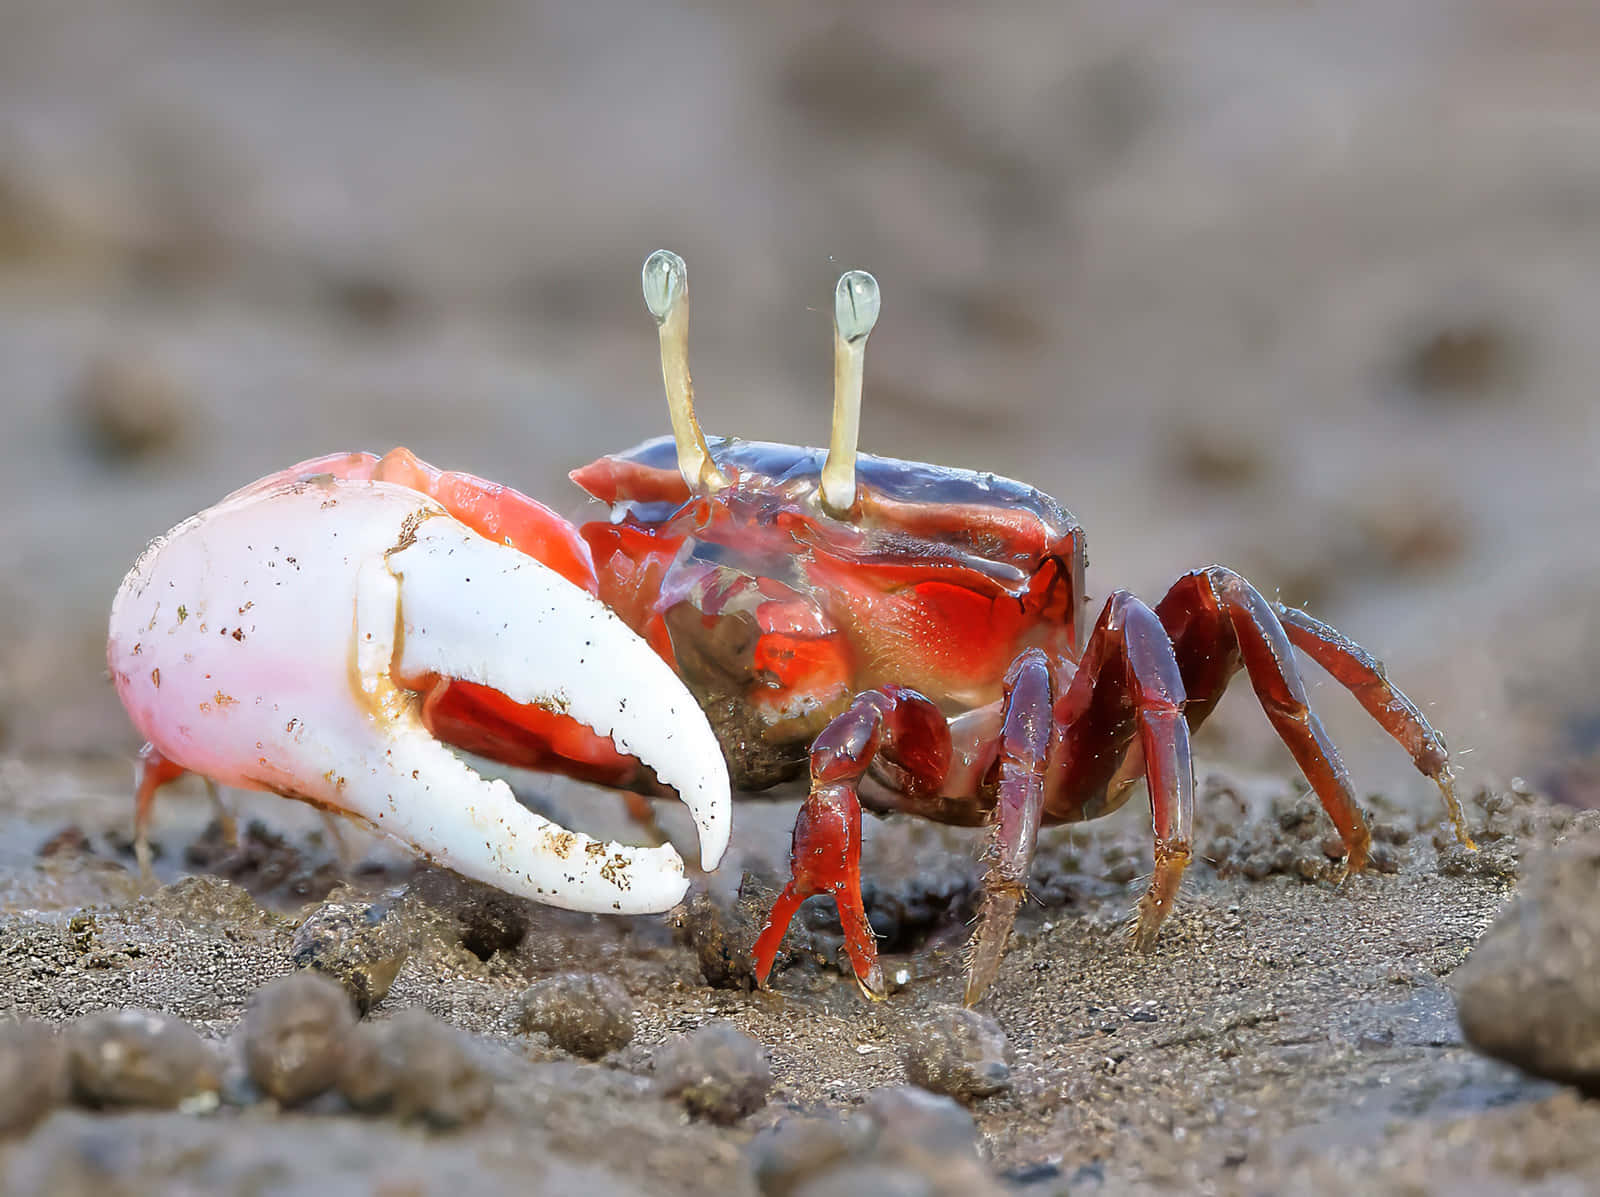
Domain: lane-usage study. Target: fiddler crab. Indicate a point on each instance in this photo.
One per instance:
(909, 635)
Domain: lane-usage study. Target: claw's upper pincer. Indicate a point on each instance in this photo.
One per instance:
(267, 643)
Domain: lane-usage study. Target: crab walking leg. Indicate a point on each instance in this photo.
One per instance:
(476, 611)
(1362, 674)
(227, 822)
(1217, 620)
(825, 855)
(1025, 739)
(150, 773)
(903, 736)
(1128, 685)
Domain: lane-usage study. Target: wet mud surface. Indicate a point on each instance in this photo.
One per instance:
(1288, 1033)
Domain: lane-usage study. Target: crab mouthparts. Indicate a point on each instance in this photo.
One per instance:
(473, 610)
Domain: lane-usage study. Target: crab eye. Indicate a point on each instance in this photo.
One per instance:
(855, 304)
(666, 278)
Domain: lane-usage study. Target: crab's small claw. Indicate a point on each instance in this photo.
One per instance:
(826, 859)
(280, 639)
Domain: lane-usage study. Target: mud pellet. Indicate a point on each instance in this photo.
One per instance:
(582, 1013)
(358, 944)
(911, 1120)
(1529, 993)
(958, 1052)
(33, 1074)
(296, 1030)
(785, 1156)
(138, 1058)
(718, 1072)
(415, 1067)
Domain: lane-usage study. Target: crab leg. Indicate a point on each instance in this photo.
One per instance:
(825, 856)
(902, 734)
(1129, 663)
(1218, 620)
(1362, 674)
(150, 773)
(272, 643)
(1019, 769)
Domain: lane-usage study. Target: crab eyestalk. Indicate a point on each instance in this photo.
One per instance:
(666, 294)
(855, 311)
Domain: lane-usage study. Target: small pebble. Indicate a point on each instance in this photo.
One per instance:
(784, 1156)
(415, 1067)
(138, 1058)
(881, 1180)
(486, 920)
(33, 1074)
(903, 1141)
(958, 1052)
(1529, 993)
(1466, 358)
(583, 1013)
(718, 1072)
(910, 1121)
(359, 944)
(211, 902)
(295, 1033)
(127, 407)
(720, 933)
(69, 841)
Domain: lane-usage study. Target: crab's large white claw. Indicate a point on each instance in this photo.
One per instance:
(477, 611)
(259, 644)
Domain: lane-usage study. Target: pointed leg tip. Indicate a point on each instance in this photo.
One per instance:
(989, 941)
(1146, 930)
(871, 983)
(862, 949)
(1445, 779)
(860, 944)
(765, 948)
(764, 952)
(1357, 859)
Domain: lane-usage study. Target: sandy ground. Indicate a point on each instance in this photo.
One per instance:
(1288, 1035)
(1305, 291)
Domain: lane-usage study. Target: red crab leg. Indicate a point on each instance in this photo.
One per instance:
(1362, 674)
(1217, 619)
(1129, 661)
(151, 773)
(1019, 775)
(910, 740)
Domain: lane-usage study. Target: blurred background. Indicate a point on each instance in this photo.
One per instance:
(1310, 289)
